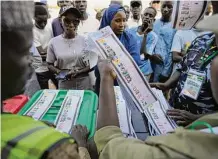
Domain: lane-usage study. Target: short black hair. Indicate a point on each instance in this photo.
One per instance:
(152, 2)
(40, 4)
(151, 8)
(40, 10)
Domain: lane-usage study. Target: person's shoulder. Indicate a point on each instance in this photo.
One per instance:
(55, 20)
(56, 39)
(152, 34)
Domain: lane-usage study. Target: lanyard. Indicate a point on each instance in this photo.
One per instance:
(206, 59)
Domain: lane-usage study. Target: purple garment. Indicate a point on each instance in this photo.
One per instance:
(57, 27)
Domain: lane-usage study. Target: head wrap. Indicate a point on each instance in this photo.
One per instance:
(109, 14)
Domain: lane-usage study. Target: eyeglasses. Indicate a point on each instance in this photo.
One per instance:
(68, 21)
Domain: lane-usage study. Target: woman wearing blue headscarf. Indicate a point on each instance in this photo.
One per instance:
(115, 17)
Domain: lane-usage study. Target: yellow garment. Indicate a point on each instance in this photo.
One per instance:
(183, 143)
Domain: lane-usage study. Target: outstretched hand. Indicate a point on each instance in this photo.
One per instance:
(80, 134)
(105, 69)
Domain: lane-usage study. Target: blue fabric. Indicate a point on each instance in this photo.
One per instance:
(151, 42)
(126, 38)
(165, 34)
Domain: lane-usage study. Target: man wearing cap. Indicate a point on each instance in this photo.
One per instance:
(135, 8)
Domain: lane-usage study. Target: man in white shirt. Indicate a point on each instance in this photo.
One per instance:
(88, 24)
(42, 34)
(181, 41)
(136, 9)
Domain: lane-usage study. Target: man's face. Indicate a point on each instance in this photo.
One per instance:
(148, 15)
(127, 9)
(167, 9)
(136, 8)
(81, 5)
(64, 3)
(41, 21)
(16, 68)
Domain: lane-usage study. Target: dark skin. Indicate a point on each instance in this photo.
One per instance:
(81, 5)
(148, 18)
(127, 9)
(107, 115)
(136, 10)
(166, 10)
(15, 59)
(118, 23)
(40, 23)
(70, 24)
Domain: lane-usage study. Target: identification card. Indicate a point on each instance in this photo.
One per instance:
(193, 83)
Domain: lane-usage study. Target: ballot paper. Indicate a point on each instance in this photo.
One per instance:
(158, 120)
(68, 113)
(42, 104)
(186, 13)
(122, 111)
(125, 67)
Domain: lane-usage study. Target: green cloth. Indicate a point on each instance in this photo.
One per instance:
(183, 143)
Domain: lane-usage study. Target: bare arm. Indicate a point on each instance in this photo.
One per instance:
(214, 79)
(177, 56)
(107, 115)
(53, 69)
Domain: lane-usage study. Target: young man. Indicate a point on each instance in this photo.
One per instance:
(147, 40)
(127, 9)
(156, 5)
(181, 42)
(21, 136)
(163, 28)
(42, 34)
(135, 8)
(88, 23)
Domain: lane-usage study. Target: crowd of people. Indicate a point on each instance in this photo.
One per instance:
(55, 51)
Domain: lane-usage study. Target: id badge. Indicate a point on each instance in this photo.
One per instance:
(193, 83)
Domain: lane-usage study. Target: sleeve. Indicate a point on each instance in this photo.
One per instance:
(177, 43)
(51, 58)
(110, 142)
(36, 39)
(134, 50)
(83, 153)
(167, 65)
(151, 43)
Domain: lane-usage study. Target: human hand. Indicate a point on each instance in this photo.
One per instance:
(156, 58)
(80, 134)
(105, 69)
(72, 74)
(181, 117)
(161, 86)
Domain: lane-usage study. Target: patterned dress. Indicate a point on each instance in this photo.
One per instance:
(205, 102)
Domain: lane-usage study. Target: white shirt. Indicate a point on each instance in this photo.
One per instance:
(134, 23)
(183, 38)
(42, 37)
(89, 25)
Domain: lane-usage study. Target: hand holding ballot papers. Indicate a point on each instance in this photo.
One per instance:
(134, 87)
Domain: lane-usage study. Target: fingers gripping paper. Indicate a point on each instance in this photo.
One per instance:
(134, 87)
(126, 69)
(186, 13)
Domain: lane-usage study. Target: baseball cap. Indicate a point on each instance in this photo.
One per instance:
(71, 9)
(209, 24)
(134, 2)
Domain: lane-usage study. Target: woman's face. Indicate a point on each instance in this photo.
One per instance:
(118, 23)
(70, 24)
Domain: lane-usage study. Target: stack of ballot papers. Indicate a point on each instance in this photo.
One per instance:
(124, 114)
(135, 89)
(68, 112)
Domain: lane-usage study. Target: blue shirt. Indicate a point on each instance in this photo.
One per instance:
(165, 34)
(151, 42)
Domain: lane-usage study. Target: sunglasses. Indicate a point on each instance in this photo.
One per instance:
(68, 21)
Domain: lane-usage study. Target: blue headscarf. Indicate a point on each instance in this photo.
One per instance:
(126, 38)
(109, 15)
